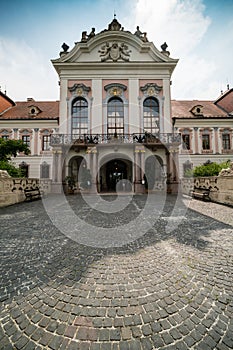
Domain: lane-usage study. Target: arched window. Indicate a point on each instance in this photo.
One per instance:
(115, 116)
(151, 115)
(79, 116)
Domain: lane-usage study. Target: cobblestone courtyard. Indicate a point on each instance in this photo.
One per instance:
(170, 288)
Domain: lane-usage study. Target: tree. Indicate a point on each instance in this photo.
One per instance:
(9, 148)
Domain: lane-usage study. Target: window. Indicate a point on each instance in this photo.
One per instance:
(186, 141)
(5, 137)
(45, 142)
(151, 115)
(115, 116)
(79, 116)
(205, 141)
(26, 140)
(226, 144)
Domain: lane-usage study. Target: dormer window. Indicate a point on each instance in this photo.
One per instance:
(33, 110)
(197, 110)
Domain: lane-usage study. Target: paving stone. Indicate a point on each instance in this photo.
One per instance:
(161, 291)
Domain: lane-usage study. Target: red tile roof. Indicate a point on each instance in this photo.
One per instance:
(225, 101)
(48, 110)
(5, 102)
(182, 109)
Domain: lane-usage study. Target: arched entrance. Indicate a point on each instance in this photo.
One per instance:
(116, 174)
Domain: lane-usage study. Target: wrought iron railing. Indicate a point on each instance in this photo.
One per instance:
(85, 139)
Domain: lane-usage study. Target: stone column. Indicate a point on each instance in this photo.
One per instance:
(216, 136)
(94, 170)
(134, 115)
(36, 141)
(15, 134)
(168, 171)
(174, 169)
(142, 163)
(97, 120)
(139, 169)
(63, 108)
(57, 169)
(167, 125)
(196, 140)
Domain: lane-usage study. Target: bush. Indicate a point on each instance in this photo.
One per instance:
(207, 169)
(10, 168)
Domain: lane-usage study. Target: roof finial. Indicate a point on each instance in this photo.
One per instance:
(114, 14)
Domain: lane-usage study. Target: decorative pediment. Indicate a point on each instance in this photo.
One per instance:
(151, 89)
(115, 89)
(79, 89)
(114, 52)
(114, 45)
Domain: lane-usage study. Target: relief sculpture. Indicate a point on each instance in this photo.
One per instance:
(114, 52)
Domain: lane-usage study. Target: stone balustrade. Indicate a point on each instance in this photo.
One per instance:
(12, 189)
(220, 187)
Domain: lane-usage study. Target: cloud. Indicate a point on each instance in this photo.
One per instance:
(24, 72)
(180, 23)
(183, 25)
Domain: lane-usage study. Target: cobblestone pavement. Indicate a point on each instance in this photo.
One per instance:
(169, 289)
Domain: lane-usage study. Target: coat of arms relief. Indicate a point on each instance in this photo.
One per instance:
(114, 52)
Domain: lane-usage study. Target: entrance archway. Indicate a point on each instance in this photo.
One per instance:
(116, 174)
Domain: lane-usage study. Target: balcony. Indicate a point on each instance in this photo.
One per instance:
(101, 139)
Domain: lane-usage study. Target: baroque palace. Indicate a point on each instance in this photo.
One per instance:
(116, 118)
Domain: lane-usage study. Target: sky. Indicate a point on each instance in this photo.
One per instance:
(198, 32)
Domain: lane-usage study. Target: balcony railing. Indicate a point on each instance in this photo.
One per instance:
(88, 139)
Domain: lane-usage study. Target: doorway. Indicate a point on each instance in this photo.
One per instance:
(116, 175)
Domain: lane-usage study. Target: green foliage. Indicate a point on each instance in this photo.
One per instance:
(10, 168)
(207, 169)
(9, 148)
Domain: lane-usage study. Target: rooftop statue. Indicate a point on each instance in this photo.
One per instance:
(164, 49)
(141, 35)
(92, 34)
(65, 48)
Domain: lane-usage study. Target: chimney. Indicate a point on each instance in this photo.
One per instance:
(29, 99)
(228, 87)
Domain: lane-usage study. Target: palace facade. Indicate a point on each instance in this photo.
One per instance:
(116, 119)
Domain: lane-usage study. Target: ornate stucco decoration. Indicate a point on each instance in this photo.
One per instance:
(114, 52)
(79, 89)
(115, 89)
(151, 89)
